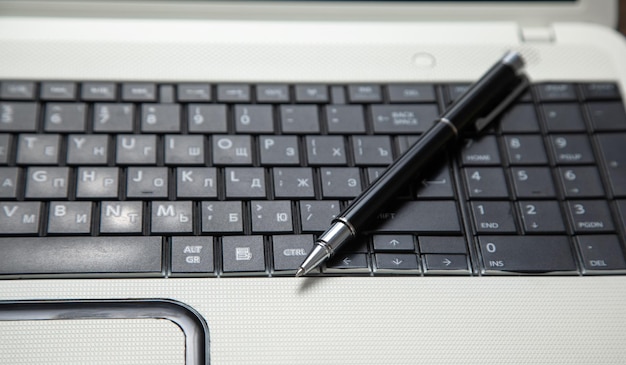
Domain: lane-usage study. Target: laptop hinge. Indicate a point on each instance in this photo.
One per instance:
(537, 34)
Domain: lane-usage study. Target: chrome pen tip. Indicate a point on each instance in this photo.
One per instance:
(514, 59)
(300, 272)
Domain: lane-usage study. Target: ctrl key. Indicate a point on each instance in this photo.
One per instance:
(526, 254)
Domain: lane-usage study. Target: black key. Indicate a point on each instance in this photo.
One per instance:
(299, 119)
(98, 91)
(254, 119)
(601, 252)
(345, 119)
(589, 216)
(279, 150)
(532, 182)
(437, 183)
(160, 118)
(271, 216)
(290, 250)
(172, 217)
(38, 149)
(5, 148)
(139, 92)
(372, 150)
(571, 149)
(200, 182)
(347, 262)
(556, 92)
(394, 262)
(17, 90)
(316, 215)
(194, 92)
(411, 93)
(403, 118)
(69, 217)
(418, 217)
(192, 255)
(312, 93)
(121, 217)
(272, 93)
(621, 205)
(112, 118)
(83, 149)
(97, 182)
(521, 118)
(340, 182)
(184, 150)
(483, 151)
(485, 182)
(541, 217)
(493, 217)
(455, 91)
(207, 118)
(232, 150)
(139, 149)
(166, 94)
(293, 182)
(78, 256)
(395, 242)
(614, 158)
(581, 182)
(525, 150)
(563, 118)
(338, 95)
(526, 254)
(243, 254)
(65, 117)
(326, 150)
(222, 216)
(607, 116)
(442, 244)
(365, 93)
(234, 93)
(47, 182)
(8, 182)
(600, 91)
(147, 182)
(18, 116)
(19, 218)
(245, 182)
(445, 262)
(59, 91)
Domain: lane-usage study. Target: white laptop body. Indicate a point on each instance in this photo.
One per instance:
(439, 319)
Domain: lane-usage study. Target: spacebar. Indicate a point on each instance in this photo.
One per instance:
(80, 256)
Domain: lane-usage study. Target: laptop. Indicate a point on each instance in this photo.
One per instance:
(166, 166)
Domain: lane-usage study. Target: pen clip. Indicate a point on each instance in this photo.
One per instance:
(482, 123)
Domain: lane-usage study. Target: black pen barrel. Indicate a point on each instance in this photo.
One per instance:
(397, 175)
(484, 94)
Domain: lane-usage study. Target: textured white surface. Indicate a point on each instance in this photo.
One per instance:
(512, 320)
(132, 341)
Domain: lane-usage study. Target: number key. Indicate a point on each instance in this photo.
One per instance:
(486, 183)
(541, 216)
(523, 150)
(590, 216)
(490, 217)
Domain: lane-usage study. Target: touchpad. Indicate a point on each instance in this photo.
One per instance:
(101, 332)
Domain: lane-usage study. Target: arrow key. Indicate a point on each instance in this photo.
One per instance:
(348, 263)
(389, 262)
(434, 263)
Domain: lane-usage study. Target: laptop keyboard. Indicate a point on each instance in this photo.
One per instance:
(101, 179)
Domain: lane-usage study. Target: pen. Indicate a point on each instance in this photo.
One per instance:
(481, 103)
